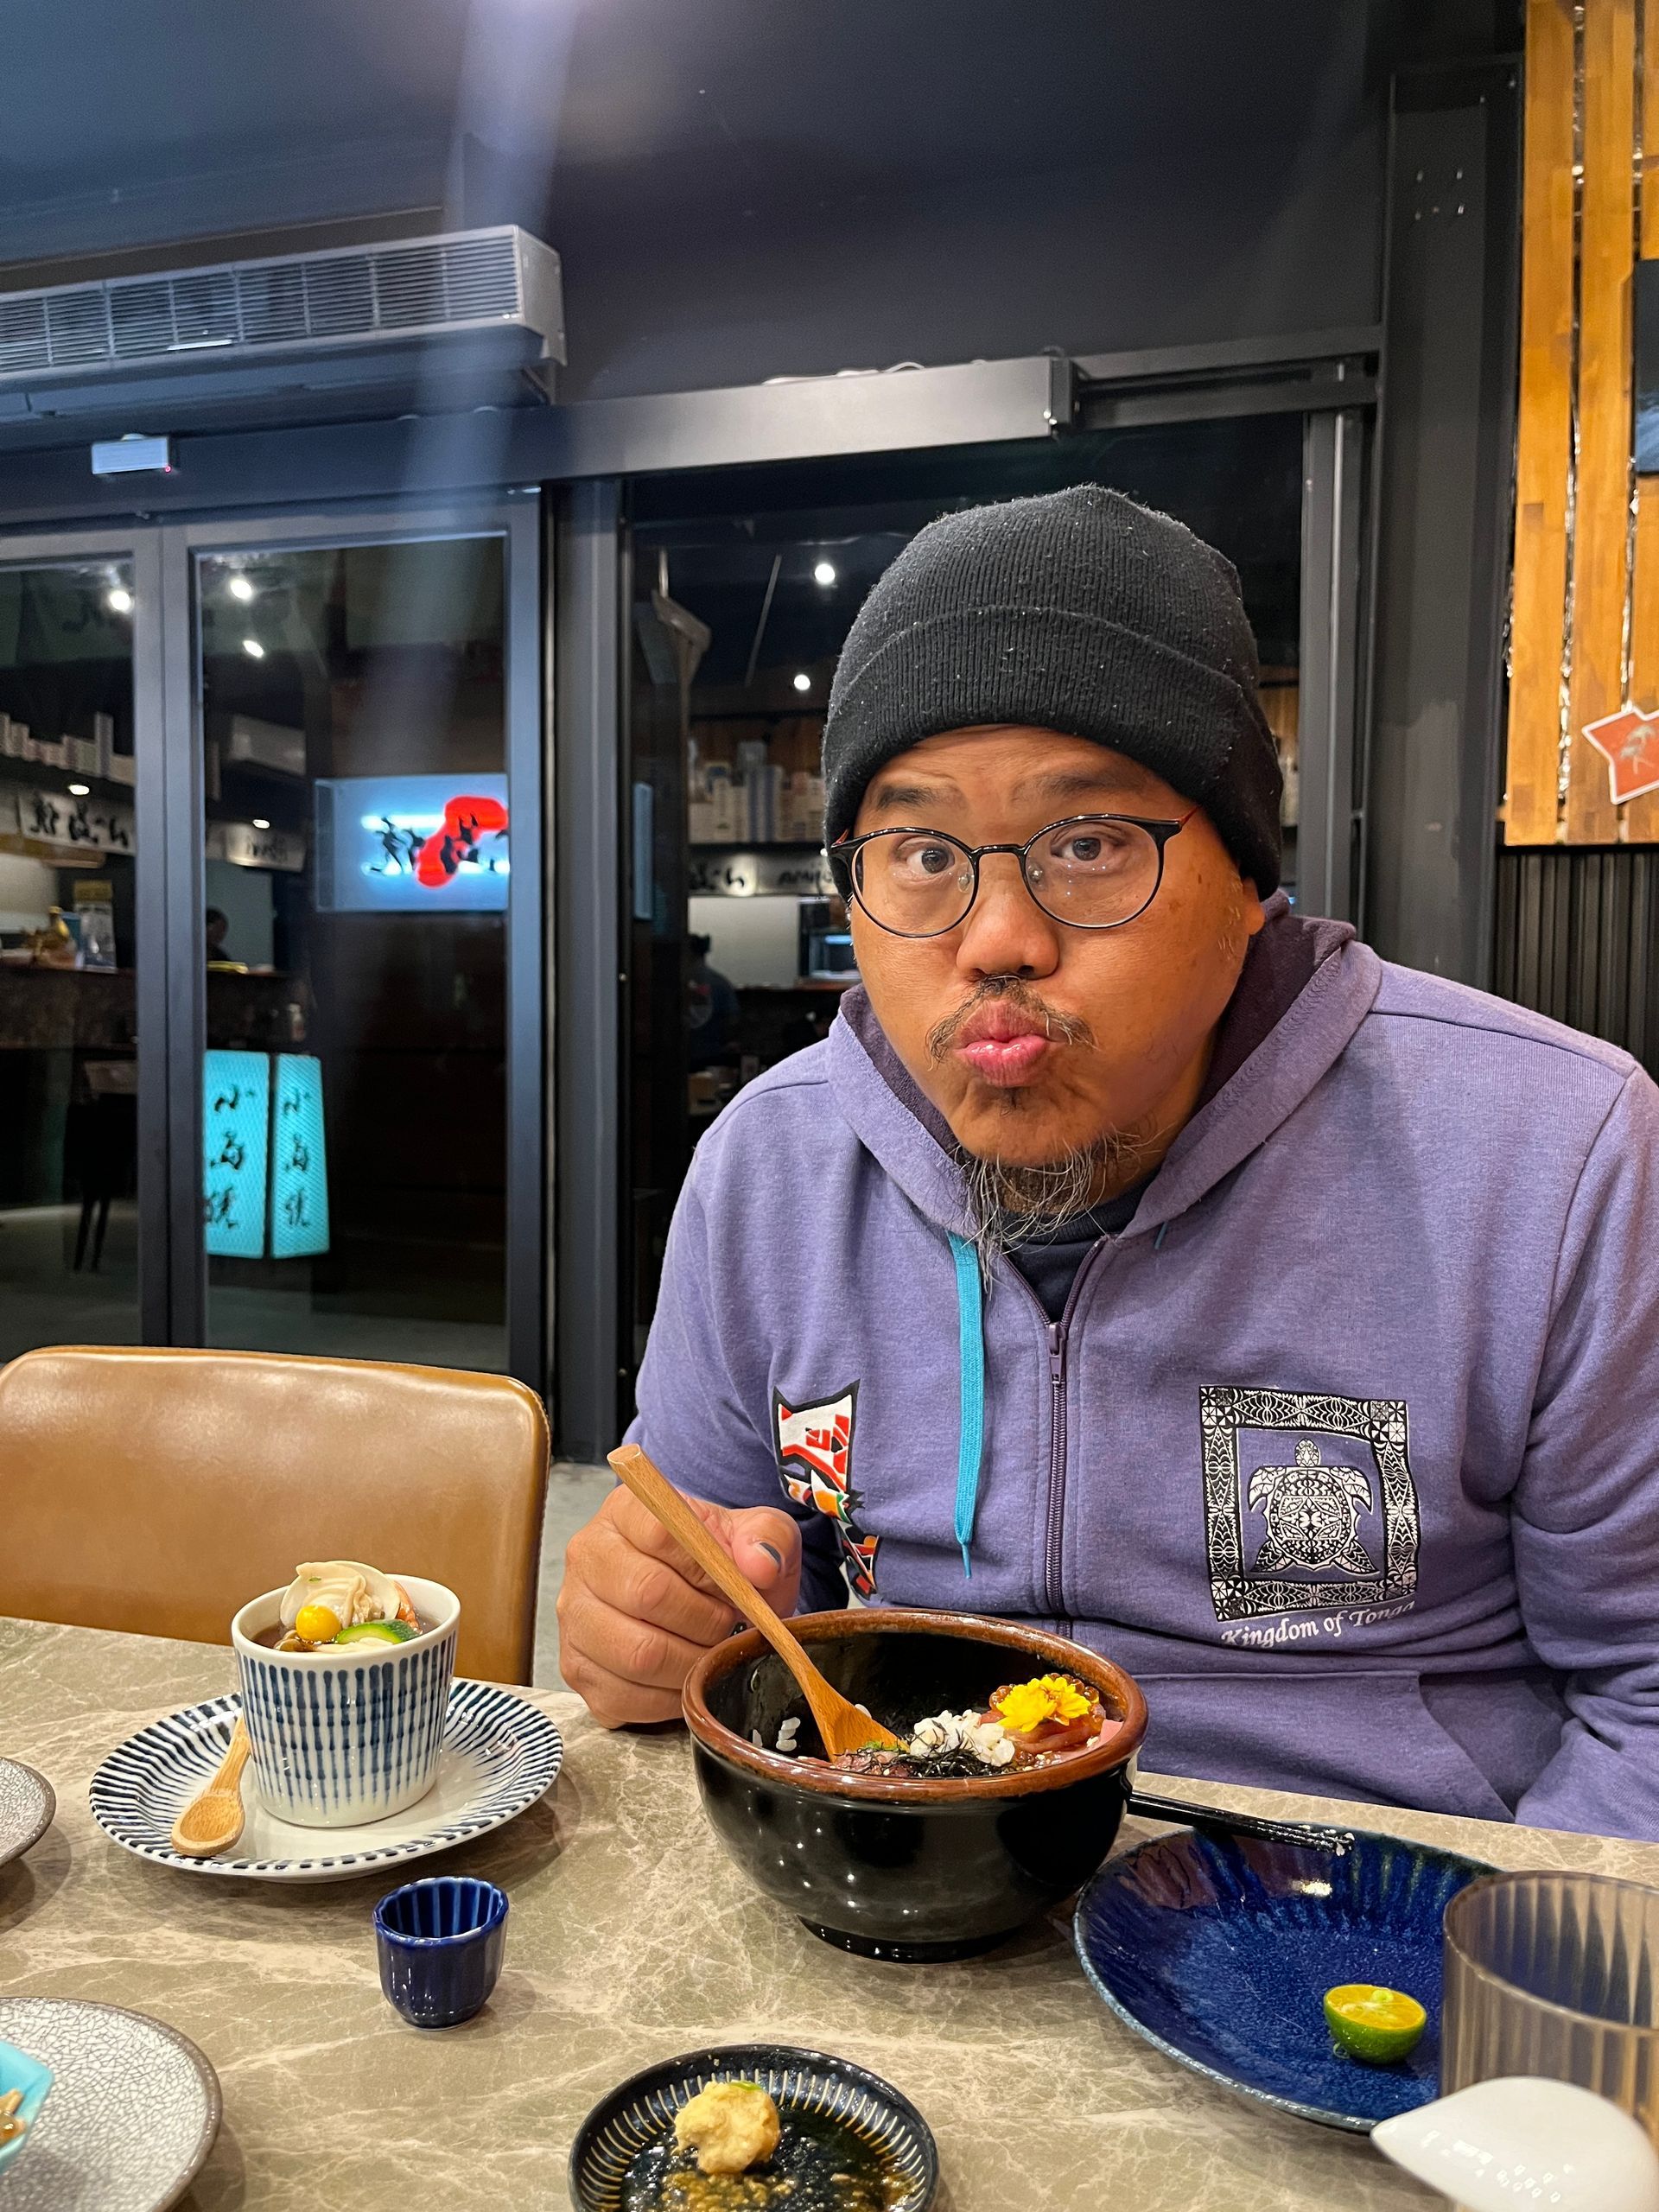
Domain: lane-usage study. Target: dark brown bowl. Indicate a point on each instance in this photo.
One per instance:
(908, 1869)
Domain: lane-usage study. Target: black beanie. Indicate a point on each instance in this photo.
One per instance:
(1078, 612)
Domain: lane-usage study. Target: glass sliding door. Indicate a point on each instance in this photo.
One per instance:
(68, 929)
(358, 843)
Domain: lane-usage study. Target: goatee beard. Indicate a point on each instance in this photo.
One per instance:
(1010, 1204)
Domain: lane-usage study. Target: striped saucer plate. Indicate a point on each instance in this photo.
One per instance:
(499, 1754)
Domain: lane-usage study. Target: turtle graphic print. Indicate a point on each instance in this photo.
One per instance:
(1313, 1514)
(814, 1445)
(1328, 1481)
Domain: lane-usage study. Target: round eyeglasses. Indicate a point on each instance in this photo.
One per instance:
(1092, 872)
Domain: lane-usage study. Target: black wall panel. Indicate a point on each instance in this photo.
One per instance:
(1578, 940)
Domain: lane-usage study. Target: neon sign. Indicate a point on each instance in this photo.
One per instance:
(427, 844)
(265, 1172)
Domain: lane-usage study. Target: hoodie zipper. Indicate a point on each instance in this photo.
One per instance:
(1052, 1594)
(1051, 1559)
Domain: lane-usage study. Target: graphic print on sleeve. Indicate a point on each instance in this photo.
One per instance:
(814, 1461)
(1307, 1498)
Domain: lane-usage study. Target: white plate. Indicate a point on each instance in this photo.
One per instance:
(26, 1807)
(131, 2116)
(500, 1754)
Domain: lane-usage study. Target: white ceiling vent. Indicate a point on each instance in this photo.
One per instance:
(481, 305)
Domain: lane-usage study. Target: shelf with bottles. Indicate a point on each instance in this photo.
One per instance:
(28, 757)
(747, 790)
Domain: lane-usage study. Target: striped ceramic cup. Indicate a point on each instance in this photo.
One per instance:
(342, 1737)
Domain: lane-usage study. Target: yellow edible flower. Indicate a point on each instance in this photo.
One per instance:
(1049, 1697)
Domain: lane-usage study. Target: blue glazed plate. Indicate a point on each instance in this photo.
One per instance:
(1219, 1949)
(499, 1754)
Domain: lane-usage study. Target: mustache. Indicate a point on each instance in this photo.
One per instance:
(1059, 1028)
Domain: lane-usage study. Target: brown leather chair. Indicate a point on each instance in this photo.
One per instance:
(158, 1490)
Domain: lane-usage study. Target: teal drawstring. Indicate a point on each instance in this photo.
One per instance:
(971, 1444)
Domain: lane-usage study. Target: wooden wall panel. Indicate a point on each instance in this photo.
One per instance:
(1544, 444)
(1601, 533)
(1643, 814)
(1586, 598)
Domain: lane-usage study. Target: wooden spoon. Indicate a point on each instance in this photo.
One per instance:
(840, 1725)
(212, 1821)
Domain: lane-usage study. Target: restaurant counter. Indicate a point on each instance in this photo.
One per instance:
(46, 1009)
(631, 1937)
(56, 1009)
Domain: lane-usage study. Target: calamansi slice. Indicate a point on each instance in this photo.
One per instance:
(1376, 2024)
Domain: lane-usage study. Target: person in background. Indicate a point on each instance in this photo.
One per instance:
(711, 1011)
(1140, 1258)
(216, 927)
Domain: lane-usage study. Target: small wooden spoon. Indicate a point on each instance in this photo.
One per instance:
(212, 1821)
(840, 1725)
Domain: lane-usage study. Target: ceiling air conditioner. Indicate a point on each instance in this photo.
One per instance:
(474, 317)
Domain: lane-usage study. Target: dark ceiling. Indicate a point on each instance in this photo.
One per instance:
(131, 122)
(744, 187)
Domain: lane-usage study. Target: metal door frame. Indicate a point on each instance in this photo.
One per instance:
(1330, 835)
(170, 982)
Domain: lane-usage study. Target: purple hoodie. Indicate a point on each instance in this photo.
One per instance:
(1345, 1448)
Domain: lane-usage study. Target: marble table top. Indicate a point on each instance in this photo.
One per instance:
(631, 1938)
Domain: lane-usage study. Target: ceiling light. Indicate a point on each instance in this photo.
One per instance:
(802, 681)
(260, 822)
(80, 791)
(253, 649)
(825, 573)
(241, 589)
(118, 600)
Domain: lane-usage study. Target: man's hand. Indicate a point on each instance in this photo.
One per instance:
(636, 1613)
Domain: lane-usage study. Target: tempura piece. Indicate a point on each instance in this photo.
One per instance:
(731, 2125)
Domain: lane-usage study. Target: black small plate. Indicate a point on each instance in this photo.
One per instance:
(852, 2108)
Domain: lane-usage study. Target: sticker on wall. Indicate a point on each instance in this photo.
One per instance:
(235, 1149)
(299, 1172)
(1629, 741)
(411, 844)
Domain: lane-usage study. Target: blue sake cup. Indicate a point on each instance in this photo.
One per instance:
(440, 1943)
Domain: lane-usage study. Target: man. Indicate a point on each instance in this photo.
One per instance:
(1139, 1257)
(711, 1012)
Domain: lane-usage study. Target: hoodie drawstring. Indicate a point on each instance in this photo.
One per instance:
(970, 1443)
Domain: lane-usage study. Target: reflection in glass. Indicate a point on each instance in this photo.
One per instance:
(356, 875)
(68, 1043)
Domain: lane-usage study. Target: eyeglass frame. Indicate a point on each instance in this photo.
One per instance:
(840, 856)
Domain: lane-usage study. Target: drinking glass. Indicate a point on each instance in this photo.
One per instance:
(1554, 1974)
